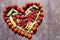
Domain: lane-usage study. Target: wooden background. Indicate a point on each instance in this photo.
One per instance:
(49, 28)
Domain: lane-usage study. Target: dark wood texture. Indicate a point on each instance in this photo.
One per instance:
(49, 28)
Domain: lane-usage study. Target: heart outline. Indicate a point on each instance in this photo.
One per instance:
(23, 9)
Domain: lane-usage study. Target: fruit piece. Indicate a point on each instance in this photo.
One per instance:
(22, 33)
(5, 11)
(41, 10)
(22, 16)
(15, 30)
(41, 18)
(22, 11)
(32, 20)
(30, 3)
(34, 6)
(7, 7)
(31, 25)
(34, 28)
(10, 12)
(14, 18)
(36, 24)
(17, 16)
(29, 36)
(15, 11)
(14, 24)
(7, 21)
(18, 9)
(40, 6)
(27, 4)
(37, 3)
(4, 14)
(6, 18)
(37, 15)
(20, 28)
(26, 34)
(34, 15)
(15, 6)
(19, 31)
(39, 21)
(42, 14)
(31, 32)
(24, 7)
(9, 24)
(22, 22)
(12, 27)
(28, 10)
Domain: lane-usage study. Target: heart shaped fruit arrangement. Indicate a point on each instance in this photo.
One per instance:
(26, 20)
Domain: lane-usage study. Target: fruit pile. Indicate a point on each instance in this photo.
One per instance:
(26, 20)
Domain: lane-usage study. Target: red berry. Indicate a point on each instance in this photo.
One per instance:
(24, 7)
(34, 28)
(42, 14)
(5, 10)
(15, 6)
(4, 14)
(31, 32)
(7, 21)
(41, 18)
(10, 24)
(26, 34)
(6, 18)
(41, 10)
(22, 11)
(14, 18)
(19, 9)
(39, 21)
(29, 36)
(7, 7)
(18, 16)
(12, 27)
(15, 30)
(27, 4)
(19, 31)
(40, 6)
(22, 33)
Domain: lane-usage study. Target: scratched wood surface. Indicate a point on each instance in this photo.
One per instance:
(49, 28)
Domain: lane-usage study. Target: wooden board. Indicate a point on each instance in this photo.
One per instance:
(49, 28)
